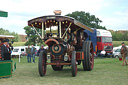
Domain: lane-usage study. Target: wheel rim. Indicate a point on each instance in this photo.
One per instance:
(44, 65)
(75, 68)
(91, 57)
(74, 64)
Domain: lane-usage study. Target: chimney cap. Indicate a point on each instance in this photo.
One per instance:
(57, 12)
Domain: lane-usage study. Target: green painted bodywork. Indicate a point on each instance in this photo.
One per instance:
(6, 68)
(3, 14)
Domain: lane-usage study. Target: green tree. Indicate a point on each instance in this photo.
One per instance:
(119, 36)
(32, 37)
(6, 32)
(125, 36)
(87, 19)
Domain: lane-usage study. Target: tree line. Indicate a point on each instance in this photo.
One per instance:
(119, 35)
(7, 32)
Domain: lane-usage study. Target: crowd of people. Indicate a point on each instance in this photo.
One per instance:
(7, 48)
(31, 53)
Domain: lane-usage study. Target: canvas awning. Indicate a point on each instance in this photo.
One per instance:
(3, 14)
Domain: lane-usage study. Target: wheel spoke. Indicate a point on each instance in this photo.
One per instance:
(91, 62)
(90, 56)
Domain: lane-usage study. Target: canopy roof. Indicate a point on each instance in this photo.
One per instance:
(3, 14)
(52, 20)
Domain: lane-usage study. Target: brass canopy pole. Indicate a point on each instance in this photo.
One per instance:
(66, 30)
(60, 29)
(37, 32)
(42, 30)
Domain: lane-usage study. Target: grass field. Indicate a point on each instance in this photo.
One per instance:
(115, 43)
(118, 43)
(107, 71)
(18, 44)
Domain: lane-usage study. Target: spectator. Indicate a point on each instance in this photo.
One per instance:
(41, 49)
(33, 50)
(11, 47)
(5, 51)
(102, 53)
(124, 53)
(28, 51)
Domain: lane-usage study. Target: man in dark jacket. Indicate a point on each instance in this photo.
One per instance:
(28, 51)
(33, 50)
(41, 49)
(124, 52)
(5, 51)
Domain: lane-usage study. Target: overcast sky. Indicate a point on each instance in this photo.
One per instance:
(113, 13)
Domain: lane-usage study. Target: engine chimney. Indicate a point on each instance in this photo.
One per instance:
(57, 12)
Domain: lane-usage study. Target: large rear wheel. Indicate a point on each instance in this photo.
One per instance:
(73, 64)
(42, 63)
(88, 61)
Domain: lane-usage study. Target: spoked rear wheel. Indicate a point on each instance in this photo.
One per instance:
(74, 64)
(42, 63)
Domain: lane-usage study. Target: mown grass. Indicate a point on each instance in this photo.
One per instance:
(107, 71)
(115, 43)
(18, 44)
(118, 43)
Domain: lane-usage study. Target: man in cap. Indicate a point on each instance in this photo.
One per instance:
(41, 49)
(124, 53)
(5, 51)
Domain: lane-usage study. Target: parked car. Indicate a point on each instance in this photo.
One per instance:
(116, 53)
(115, 48)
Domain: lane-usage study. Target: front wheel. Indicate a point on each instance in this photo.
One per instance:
(116, 56)
(42, 63)
(73, 64)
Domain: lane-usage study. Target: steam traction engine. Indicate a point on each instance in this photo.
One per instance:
(69, 43)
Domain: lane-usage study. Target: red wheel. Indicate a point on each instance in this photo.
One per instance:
(73, 64)
(88, 61)
(42, 63)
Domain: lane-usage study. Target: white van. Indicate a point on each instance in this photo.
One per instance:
(18, 51)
